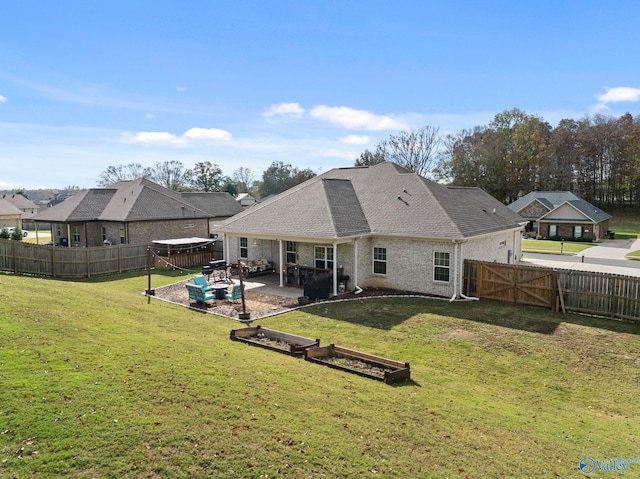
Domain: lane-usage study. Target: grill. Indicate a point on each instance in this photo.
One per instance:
(208, 269)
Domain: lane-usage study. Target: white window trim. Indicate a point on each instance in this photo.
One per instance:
(375, 260)
(435, 266)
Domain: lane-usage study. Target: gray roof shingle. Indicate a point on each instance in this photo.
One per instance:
(384, 199)
(553, 199)
(136, 200)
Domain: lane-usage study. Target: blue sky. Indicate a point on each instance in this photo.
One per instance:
(85, 85)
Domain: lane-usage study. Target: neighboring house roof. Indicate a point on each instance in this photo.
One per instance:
(20, 201)
(126, 201)
(384, 199)
(553, 200)
(8, 209)
(217, 204)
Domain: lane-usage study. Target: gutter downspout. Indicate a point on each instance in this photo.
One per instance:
(455, 271)
(468, 298)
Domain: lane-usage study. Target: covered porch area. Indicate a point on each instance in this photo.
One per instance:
(294, 262)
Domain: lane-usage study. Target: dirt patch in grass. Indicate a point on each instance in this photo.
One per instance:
(457, 334)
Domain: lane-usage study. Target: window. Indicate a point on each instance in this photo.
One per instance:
(123, 238)
(104, 234)
(441, 266)
(577, 232)
(324, 257)
(244, 248)
(291, 252)
(380, 260)
(76, 234)
(553, 230)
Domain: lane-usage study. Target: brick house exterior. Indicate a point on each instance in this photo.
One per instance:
(135, 212)
(380, 226)
(561, 215)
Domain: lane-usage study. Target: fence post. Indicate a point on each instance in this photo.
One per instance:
(15, 256)
(554, 296)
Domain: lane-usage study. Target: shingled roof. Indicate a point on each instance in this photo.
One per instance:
(553, 199)
(136, 200)
(384, 199)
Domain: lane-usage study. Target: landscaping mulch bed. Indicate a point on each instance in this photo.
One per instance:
(355, 365)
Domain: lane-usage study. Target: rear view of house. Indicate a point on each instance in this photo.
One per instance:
(379, 226)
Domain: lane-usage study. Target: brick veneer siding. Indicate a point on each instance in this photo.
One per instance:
(409, 261)
(565, 230)
(138, 232)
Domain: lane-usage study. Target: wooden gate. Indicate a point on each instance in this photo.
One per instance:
(517, 284)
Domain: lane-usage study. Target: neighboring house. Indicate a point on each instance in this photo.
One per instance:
(246, 200)
(379, 226)
(561, 214)
(28, 208)
(10, 216)
(135, 212)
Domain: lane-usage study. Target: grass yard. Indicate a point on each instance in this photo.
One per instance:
(553, 247)
(99, 381)
(43, 237)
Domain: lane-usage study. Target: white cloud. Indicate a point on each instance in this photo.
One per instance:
(181, 88)
(166, 138)
(207, 134)
(355, 140)
(291, 110)
(150, 116)
(3, 99)
(153, 138)
(615, 95)
(356, 119)
(621, 93)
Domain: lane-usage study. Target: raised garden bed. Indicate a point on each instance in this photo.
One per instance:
(363, 364)
(274, 340)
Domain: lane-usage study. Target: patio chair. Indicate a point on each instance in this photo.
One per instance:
(198, 294)
(236, 293)
(200, 280)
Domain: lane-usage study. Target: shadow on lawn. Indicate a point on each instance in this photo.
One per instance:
(387, 312)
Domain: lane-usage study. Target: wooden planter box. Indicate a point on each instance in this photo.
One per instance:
(366, 365)
(274, 340)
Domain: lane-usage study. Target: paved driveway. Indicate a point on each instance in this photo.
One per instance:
(607, 257)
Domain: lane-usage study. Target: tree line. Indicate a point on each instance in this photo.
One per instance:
(208, 177)
(597, 158)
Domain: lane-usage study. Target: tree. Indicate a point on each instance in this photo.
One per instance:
(280, 177)
(230, 186)
(368, 158)
(115, 174)
(207, 177)
(414, 150)
(171, 174)
(244, 179)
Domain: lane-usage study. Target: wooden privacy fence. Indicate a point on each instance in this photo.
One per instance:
(598, 294)
(61, 262)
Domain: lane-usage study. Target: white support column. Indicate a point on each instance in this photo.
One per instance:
(355, 266)
(335, 269)
(280, 262)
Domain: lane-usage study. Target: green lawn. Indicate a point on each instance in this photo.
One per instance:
(101, 381)
(553, 247)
